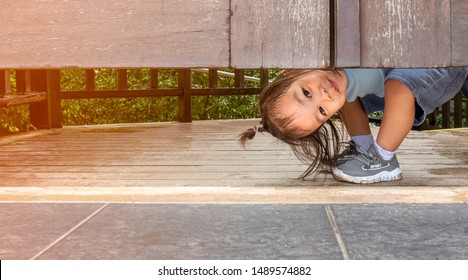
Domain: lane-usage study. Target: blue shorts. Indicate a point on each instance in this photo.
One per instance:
(431, 87)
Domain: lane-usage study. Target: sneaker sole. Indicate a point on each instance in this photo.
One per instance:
(379, 177)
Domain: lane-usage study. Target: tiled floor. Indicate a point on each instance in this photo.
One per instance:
(235, 231)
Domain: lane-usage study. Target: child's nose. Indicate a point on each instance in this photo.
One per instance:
(326, 94)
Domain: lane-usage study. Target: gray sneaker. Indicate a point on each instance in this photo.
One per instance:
(349, 153)
(368, 167)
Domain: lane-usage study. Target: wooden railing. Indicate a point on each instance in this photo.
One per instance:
(41, 89)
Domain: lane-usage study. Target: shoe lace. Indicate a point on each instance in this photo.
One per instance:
(364, 156)
(349, 147)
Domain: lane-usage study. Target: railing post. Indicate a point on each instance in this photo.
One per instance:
(123, 79)
(3, 83)
(53, 98)
(90, 79)
(263, 77)
(457, 110)
(154, 78)
(213, 78)
(239, 78)
(446, 115)
(47, 113)
(185, 101)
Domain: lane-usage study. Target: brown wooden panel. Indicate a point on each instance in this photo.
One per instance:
(405, 33)
(347, 34)
(114, 33)
(280, 34)
(460, 32)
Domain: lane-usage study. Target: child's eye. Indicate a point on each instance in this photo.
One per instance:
(322, 111)
(306, 93)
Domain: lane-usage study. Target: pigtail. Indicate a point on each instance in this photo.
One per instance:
(249, 134)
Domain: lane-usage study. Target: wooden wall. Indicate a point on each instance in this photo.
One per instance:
(113, 33)
(233, 33)
(405, 33)
(280, 34)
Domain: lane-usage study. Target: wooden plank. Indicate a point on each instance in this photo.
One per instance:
(114, 33)
(4, 82)
(54, 104)
(122, 79)
(39, 112)
(90, 79)
(239, 80)
(280, 34)
(185, 100)
(240, 194)
(405, 33)
(12, 100)
(111, 93)
(459, 33)
(213, 78)
(458, 110)
(154, 78)
(347, 45)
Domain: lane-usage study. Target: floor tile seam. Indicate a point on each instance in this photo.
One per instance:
(336, 232)
(70, 231)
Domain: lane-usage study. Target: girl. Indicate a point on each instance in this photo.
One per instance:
(296, 108)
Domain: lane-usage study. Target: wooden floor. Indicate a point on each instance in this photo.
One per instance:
(202, 162)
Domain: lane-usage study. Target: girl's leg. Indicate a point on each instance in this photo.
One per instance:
(357, 124)
(398, 117)
(379, 162)
(355, 118)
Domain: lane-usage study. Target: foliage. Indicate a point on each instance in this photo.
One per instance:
(14, 119)
(141, 109)
(150, 109)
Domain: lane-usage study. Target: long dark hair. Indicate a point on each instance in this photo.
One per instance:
(319, 149)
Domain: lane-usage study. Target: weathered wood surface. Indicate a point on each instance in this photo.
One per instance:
(236, 33)
(347, 33)
(460, 32)
(203, 162)
(405, 33)
(11, 100)
(280, 34)
(117, 33)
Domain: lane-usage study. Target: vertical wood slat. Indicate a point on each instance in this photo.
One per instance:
(90, 79)
(213, 78)
(154, 78)
(405, 33)
(47, 113)
(446, 115)
(457, 110)
(264, 77)
(39, 111)
(23, 81)
(239, 80)
(280, 34)
(459, 32)
(3, 83)
(53, 99)
(185, 101)
(347, 33)
(122, 79)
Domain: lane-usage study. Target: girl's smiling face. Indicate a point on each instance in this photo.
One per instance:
(311, 100)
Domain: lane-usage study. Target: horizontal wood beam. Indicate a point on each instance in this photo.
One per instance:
(11, 100)
(76, 94)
